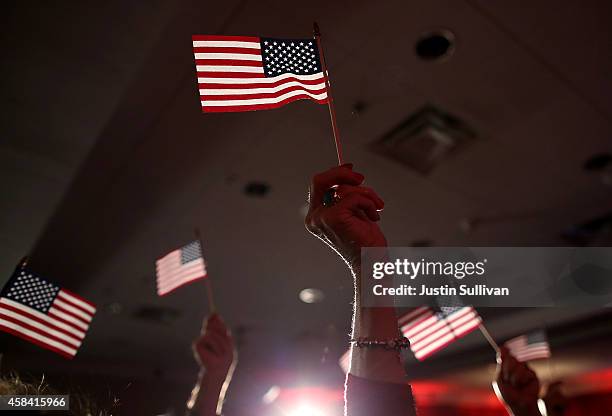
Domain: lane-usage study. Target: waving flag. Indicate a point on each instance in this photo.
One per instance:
(529, 347)
(245, 73)
(44, 314)
(180, 267)
(429, 331)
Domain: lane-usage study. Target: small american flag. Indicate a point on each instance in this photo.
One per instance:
(180, 267)
(244, 73)
(529, 347)
(44, 314)
(429, 331)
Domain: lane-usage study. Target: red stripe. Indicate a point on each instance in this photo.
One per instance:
(79, 298)
(35, 341)
(409, 326)
(56, 306)
(230, 38)
(231, 74)
(38, 331)
(228, 62)
(182, 284)
(59, 318)
(254, 107)
(40, 321)
(214, 49)
(447, 328)
(422, 357)
(211, 85)
(445, 344)
(74, 305)
(258, 95)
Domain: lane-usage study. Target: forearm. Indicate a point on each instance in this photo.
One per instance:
(207, 395)
(377, 323)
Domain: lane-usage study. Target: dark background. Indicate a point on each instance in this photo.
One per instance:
(107, 163)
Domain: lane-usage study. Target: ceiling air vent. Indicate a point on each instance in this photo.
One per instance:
(157, 314)
(425, 139)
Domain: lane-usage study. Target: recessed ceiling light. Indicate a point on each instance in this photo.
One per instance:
(435, 45)
(311, 295)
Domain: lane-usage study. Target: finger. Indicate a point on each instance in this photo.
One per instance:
(358, 203)
(509, 364)
(214, 344)
(341, 175)
(216, 325)
(345, 190)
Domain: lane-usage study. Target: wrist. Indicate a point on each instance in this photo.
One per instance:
(525, 410)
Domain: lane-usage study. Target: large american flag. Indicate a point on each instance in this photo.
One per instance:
(180, 267)
(429, 331)
(529, 347)
(44, 314)
(245, 73)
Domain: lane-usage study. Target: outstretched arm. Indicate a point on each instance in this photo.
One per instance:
(214, 351)
(376, 381)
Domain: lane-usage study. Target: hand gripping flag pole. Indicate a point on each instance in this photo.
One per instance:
(209, 292)
(330, 100)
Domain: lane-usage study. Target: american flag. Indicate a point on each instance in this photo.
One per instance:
(180, 267)
(44, 314)
(529, 347)
(429, 331)
(245, 73)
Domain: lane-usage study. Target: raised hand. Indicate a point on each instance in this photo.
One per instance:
(516, 385)
(350, 222)
(214, 348)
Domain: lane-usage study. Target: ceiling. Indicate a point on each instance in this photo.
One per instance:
(107, 163)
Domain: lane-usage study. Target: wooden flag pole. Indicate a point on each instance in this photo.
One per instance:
(489, 338)
(209, 292)
(330, 100)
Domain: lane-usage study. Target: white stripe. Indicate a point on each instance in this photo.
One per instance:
(426, 326)
(236, 56)
(432, 330)
(69, 298)
(169, 271)
(442, 332)
(226, 44)
(178, 265)
(425, 351)
(204, 80)
(229, 68)
(69, 318)
(179, 280)
(72, 309)
(459, 322)
(165, 289)
(281, 87)
(255, 101)
(165, 277)
(40, 326)
(38, 337)
(418, 312)
(43, 317)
